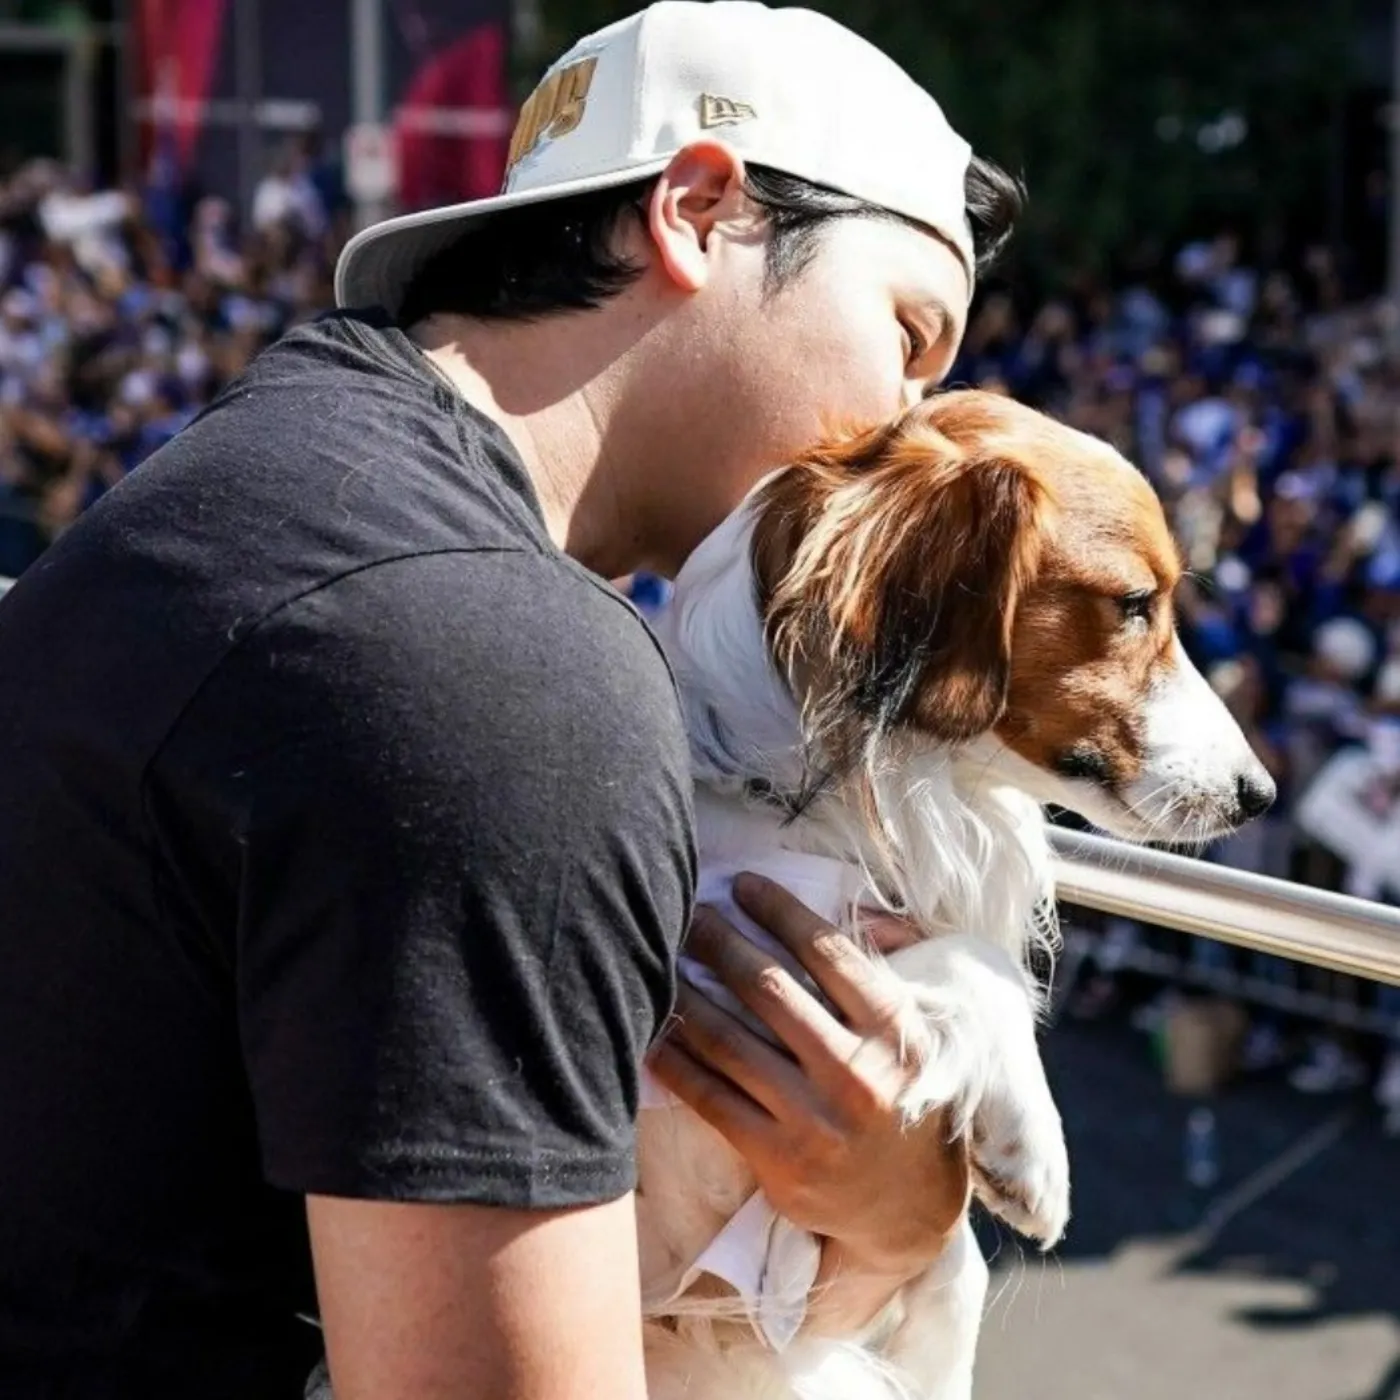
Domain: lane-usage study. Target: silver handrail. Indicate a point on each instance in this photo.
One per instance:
(1236, 906)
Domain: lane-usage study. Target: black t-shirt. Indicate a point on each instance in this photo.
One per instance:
(345, 846)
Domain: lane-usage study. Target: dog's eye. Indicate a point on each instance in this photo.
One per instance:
(1137, 607)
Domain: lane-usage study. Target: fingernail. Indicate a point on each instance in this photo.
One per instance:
(748, 886)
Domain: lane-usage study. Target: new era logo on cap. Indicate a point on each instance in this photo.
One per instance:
(723, 111)
(785, 88)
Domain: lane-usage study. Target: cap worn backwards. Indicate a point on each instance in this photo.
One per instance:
(785, 88)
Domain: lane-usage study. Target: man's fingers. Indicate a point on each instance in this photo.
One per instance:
(721, 1042)
(726, 1109)
(862, 990)
(771, 992)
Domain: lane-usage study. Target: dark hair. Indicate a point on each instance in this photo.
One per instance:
(563, 256)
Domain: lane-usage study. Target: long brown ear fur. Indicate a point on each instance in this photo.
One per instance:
(890, 567)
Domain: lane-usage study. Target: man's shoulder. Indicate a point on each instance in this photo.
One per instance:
(334, 453)
(266, 510)
(472, 683)
(498, 615)
(340, 379)
(478, 639)
(342, 340)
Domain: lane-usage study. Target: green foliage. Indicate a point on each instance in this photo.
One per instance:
(1100, 104)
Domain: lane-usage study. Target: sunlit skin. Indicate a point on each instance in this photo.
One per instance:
(695, 356)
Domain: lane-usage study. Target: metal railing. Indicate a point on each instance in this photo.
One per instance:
(1252, 911)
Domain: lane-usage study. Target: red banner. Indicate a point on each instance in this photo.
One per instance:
(207, 72)
(176, 51)
(454, 122)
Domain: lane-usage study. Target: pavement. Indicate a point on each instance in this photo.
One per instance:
(1281, 1283)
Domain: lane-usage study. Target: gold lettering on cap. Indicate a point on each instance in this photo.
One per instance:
(723, 111)
(572, 97)
(555, 108)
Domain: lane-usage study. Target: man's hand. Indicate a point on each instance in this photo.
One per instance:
(820, 1126)
(458, 1302)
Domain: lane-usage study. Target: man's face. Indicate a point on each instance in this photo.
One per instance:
(861, 333)
(755, 377)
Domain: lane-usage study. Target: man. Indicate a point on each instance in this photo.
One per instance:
(344, 807)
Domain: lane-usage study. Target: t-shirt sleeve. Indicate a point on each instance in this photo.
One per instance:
(461, 811)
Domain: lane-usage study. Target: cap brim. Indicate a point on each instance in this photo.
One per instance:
(378, 264)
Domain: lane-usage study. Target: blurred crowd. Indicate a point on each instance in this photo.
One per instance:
(124, 312)
(1263, 403)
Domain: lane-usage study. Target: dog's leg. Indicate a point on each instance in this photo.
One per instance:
(972, 1024)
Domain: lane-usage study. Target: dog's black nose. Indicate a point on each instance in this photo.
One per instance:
(1254, 794)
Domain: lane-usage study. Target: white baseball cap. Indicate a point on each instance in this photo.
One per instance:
(790, 89)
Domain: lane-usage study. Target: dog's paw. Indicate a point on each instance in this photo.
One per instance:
(1020, 1162)
(976, 1020)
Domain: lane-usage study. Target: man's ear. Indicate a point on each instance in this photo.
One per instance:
(701, 187)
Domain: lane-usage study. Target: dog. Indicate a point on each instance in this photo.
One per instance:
(890, 657)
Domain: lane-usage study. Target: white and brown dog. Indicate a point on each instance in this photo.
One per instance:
(889, 657)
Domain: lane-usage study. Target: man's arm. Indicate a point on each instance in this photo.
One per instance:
(461, 866)
(458, 1302)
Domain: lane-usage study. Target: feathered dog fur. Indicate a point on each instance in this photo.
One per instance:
(889, 657)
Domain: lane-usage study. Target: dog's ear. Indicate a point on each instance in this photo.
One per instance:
(890, 569)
